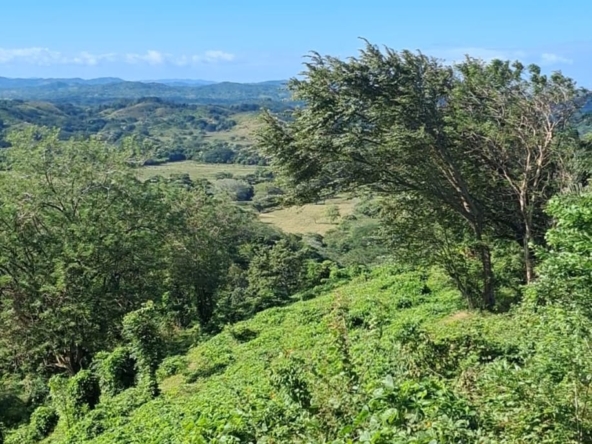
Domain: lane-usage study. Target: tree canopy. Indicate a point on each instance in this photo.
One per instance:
(483, 144)
(83, 242)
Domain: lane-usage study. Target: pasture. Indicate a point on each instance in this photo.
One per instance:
(194, 169)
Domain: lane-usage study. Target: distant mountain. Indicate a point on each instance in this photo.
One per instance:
(100, 81)
(6, 83)
(181, 82)
(272, 82)
(80, 91)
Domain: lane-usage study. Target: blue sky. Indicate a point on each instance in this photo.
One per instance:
(255, 40)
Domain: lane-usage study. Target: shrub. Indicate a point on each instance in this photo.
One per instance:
(219, 154)
(141, 330)
(317, 272)
(173, 365)
(83, 390)
(289, 376)
(237, 189)
(43, 421)
(242, 333)
(223, 175)
(116, 371)
(12, 409)
(72, 398)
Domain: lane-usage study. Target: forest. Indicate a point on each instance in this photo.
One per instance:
(445, 298)
(176, 131)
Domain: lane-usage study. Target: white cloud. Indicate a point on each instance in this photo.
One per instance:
(207, 57)
(152, 57)
(86, 58)
(214, 56)
(548, 58)
(45, 56)
(36, 56)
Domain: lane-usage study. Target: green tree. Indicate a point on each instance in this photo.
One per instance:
(401, 124)
(274, 274)
(81, 241)
(141, 331)
(566, 268)
(201, 251)
(519, 127)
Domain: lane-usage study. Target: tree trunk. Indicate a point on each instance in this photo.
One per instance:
(488, 294)
(528, 261)
(527, 238)
(488, 278)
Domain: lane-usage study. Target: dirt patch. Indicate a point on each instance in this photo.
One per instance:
(458, 316)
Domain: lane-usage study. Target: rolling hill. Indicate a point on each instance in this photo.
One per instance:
(176, 131)
(79, 91)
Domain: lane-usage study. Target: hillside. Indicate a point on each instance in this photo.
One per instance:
(175, 130)
(228, 384)
(389, 356)
(430, 284)
(83, 92)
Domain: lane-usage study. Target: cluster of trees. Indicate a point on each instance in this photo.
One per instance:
(120, 118)
(179, 131)
(466, 156)
(84, 243)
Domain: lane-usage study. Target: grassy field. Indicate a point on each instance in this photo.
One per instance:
(309, 218)
(194, 169)
(246, 125)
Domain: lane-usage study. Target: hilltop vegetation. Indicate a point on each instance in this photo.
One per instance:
(211, 133)
(386, 358)
(81, 92)
(449, 302)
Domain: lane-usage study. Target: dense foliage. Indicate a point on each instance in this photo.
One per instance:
(471, 152)
(86, 245)
(378, 360)
(449, 303)
(178, 131)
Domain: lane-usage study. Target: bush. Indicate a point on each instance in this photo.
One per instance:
(116, 371)
(12, 409)
(317, 272)
(173, 365)
(109, 413)
(242, 333)
(141, 330)
(43, 421)
(237, 189)
(152, 162)
(177, 157)
(72, 398)
(219, 154)
(223, 175)
(84, 391)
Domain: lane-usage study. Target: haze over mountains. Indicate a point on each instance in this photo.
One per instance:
(82, 91)
(9, 83)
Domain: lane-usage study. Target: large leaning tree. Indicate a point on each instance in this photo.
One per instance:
(481, 144)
